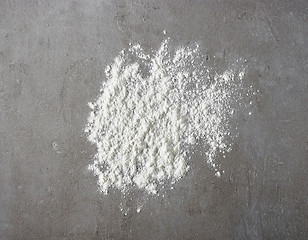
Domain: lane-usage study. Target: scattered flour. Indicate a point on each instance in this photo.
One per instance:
(152, 109)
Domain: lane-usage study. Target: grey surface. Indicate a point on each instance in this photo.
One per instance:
(52, 56)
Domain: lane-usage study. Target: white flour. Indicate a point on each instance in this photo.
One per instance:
(152, 108)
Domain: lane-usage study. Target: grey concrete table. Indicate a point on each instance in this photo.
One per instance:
(52, 59)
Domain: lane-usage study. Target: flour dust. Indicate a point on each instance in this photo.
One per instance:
(152, 110)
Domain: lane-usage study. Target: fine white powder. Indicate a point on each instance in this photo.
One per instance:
(152, 109)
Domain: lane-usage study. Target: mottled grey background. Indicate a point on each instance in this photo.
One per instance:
(52, 57)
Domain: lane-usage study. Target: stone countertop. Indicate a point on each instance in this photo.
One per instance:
(52, 60)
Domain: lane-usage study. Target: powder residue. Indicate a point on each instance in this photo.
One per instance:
(152, 109)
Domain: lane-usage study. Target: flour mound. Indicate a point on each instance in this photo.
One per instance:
(152, 109)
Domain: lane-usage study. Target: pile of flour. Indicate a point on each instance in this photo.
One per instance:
(152, 109)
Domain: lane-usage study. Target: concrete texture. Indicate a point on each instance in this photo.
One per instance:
(52, 56)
